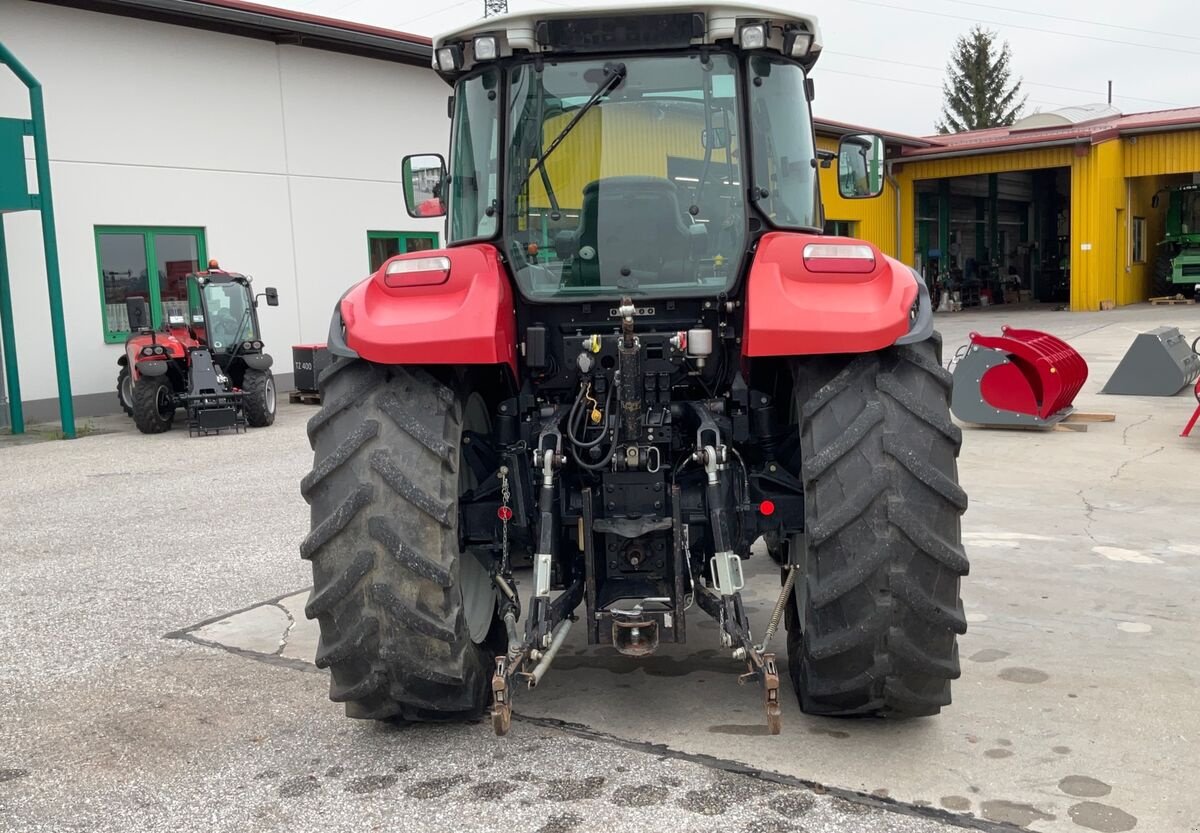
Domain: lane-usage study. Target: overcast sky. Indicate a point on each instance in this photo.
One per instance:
(884, 59)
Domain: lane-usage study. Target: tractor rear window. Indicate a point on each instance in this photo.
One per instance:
(624, 177)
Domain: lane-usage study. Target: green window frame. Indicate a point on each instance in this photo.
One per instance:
(146, 238)
(382, 245)
(840, 228)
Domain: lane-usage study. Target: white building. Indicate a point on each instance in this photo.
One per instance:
(181, 130)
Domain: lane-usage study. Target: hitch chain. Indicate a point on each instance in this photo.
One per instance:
(505, 514)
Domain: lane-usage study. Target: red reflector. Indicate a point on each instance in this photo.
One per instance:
(767, 507)
(504, 513)
(839, 257)
(418, 271)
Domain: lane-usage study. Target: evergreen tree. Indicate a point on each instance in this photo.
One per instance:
(977, 89)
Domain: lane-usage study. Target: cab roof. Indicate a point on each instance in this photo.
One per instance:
(712, 23)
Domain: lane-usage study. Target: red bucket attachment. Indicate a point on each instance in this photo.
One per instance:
(1022, 377)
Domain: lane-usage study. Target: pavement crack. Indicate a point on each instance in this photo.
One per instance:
(1131, 426)
(1121, 467)
(287, 632)
(1088, 510)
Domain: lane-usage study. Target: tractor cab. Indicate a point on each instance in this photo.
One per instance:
(224, 313)
(644, 154)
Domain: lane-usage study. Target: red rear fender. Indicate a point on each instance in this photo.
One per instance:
(467, 318)
(831, 304)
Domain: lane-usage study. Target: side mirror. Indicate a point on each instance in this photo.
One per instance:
(717, 137)
(138, 313)
(423, 176)
(272, 296)
(860, 166)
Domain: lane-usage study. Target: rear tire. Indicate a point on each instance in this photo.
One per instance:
(1163, 286)
(873, 624)
(397, 602)
(125, 390)
(153, 404)
(258, 397)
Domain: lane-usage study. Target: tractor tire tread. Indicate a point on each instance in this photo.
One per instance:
(260, 412)
(384, 547)
(145, 405)
(123, 374)
(874, 631)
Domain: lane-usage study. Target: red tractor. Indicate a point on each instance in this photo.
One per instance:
(637, 356)
(210, 361)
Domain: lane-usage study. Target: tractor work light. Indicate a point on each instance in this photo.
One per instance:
(485, 48)
(147, 351)
(449, 58)
(753, 36)
(258, 345)
(418, 271)
(839, 257)
(797, 44)
(247, 345)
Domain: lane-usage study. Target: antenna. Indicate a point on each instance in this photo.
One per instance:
(494, 7)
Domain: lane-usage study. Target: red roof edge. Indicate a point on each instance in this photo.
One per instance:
(304, 17)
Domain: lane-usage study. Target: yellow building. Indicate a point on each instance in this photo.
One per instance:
(1060, 205)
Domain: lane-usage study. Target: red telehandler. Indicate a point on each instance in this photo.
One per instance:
(637, 355)
(209, 360)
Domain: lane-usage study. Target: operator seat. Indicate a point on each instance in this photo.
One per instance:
(632, 223)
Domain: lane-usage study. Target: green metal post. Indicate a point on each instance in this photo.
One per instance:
(16, 412)
(994, 218)
(37, 110)
(944, 228)
(980, 231)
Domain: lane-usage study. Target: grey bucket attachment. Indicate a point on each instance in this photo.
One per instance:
(1158, 363)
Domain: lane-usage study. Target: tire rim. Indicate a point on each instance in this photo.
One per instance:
(474, 580)
(127, 391)
(269, 394)
(164, 401)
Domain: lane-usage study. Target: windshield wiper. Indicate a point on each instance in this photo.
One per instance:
(614, 74)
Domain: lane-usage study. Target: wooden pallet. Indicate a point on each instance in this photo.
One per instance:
(1076, 421)
(304, 397)
(1171, 300)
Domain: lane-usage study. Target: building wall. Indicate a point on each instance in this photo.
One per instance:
(286, 156)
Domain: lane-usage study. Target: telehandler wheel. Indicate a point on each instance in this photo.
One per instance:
(409, 625)
(125, 390)
(874, 620)
(258, 388)
(153, 404)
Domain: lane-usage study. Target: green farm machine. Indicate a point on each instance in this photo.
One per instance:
(1177, 267)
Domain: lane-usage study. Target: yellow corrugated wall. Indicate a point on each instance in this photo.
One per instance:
(1162, 153)
(1141, 194)
(1098, 229)
(636, 141)
(874, 219)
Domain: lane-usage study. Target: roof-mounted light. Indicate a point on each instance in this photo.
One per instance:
(486, 48)
(797, 43)
(839, 257)
(417, 271)
(753, 36)
(449, 58)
